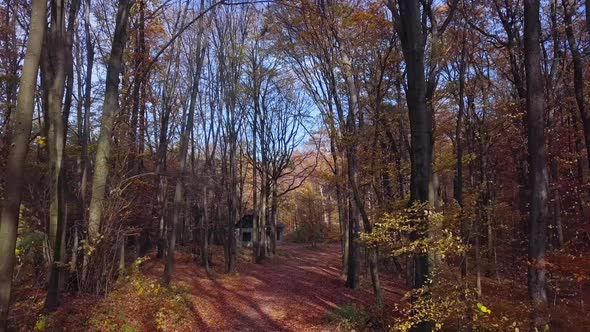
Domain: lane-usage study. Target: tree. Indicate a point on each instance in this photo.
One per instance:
(537, 234)
(409, 27)
(84, 127)
(57, 67)
(109, 111)
(16, 158)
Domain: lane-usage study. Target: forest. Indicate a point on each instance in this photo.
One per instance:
(294, 165)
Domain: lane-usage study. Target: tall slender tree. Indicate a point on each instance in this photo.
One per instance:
(109, 111)
(57, 68)
(538, 180)
(16, 158)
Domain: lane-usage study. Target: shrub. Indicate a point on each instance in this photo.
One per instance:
(141, 303)
(349, 317)
(445, 301)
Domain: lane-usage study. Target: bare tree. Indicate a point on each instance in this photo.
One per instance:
(229, 33)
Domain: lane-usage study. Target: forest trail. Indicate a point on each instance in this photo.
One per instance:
(293, 291)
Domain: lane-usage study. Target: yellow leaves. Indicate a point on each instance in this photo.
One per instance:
(155, 288)
(41, 323)
(144, 285)
(483, 308)
(160, 320)
(417, 230)
(86, 247)
(41, 141)
(17, 252)
(443, 301)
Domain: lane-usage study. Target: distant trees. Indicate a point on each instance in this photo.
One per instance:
(323, 51)
(305, 210)
(277, 117)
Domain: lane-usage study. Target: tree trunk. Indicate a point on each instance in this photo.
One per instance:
(262, 215)
(122, 254)
(477, 237)
(458, 179)
(57, 64)
(354, 113)
(16, 157)
(342, 216)
(232, 207)
(411, 35)
(205, 227)
(178, 199)
(110, 110)
(256, 100)
(162, 203)
(353, 272)
(274, 209)
(372, 253)
(138, 81)
(537, 227)
(84, 158)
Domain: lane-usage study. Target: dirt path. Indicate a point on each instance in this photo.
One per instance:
(292, 292)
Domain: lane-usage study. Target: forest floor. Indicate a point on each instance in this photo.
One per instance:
(299, 289)
(294, 291)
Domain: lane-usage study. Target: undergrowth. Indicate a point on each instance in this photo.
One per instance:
(140, 303)
(354, 317)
